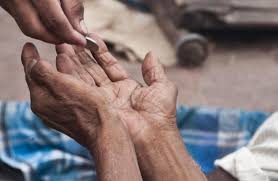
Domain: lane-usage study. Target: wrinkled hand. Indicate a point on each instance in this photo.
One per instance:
(52, 21)
(86, 91)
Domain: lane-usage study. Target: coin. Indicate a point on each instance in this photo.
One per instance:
(91, 44)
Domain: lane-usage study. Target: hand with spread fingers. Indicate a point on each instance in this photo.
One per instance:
(89, 96)
(81, 101)
(52, 21)
(104, 84)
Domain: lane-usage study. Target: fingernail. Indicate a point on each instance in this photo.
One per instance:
(84, 27)
(31, 65)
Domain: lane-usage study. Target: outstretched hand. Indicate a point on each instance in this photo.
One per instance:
(52, 21)
(88, 91)
(91, 93)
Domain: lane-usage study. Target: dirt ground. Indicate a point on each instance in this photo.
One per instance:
(241, 72)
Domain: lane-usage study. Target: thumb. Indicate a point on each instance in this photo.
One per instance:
(29, 58)
(44, 74)
(37, 71)
(152, 70)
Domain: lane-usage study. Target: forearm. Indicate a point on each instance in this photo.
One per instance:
(162, 156)
(114, 156)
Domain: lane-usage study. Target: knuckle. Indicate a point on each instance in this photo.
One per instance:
(36, 32)
(9, 5)
(29, 28)
(40, 70)
(61, 58)
(54, 23)
(25, 31)
(30, 32)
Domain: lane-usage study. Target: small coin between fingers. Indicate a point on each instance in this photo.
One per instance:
(91, 44)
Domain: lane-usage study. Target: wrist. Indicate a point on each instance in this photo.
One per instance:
(157, 134)
(107, 136)
(109, 126)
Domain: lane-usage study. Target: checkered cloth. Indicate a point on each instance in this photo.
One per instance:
(44, 154)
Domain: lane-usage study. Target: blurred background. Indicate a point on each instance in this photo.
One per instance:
(241, 70)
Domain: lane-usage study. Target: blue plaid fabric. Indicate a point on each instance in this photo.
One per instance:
(44, 154)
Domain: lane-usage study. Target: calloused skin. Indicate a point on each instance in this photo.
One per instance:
(123, 124)
(52, 21)
(107, 86)
(72, 106)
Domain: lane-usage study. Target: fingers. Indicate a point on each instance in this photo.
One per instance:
(97, 73)
(74, 10)
(65, 65)
(109, 64)
(83, 56)
(91, 67)
(76, 62)
(152, 70)
(26, 17)
(70, 52)
(68, 62)
(54, 19)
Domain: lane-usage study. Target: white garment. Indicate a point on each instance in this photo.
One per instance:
(258, 161)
